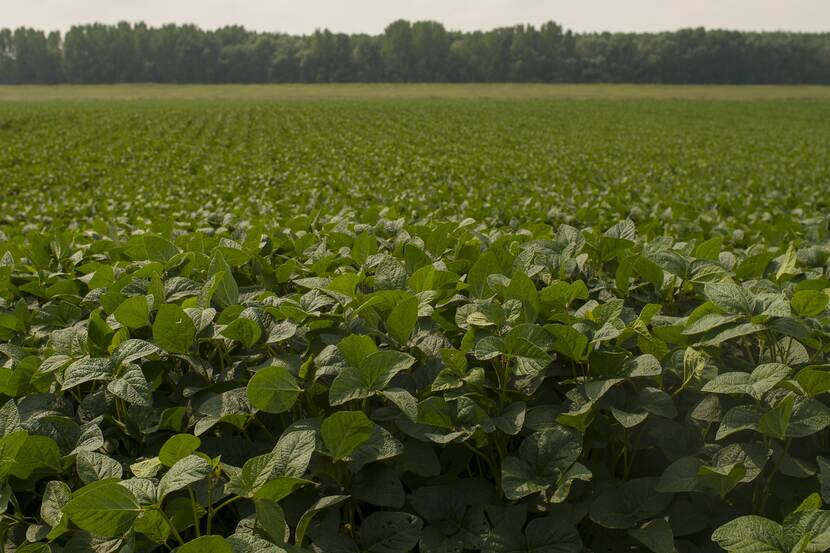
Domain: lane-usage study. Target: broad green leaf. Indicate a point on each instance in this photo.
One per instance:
(173, 330)
(206, 544)
(311, 512)
(751, 534)
(271, 519)
(243, 330)
(104, 508)
(722, 479)
(92, 466)
(809, 303)
(55, 496)
(280, 488)
(133, 350)
(345, 431)
(132, 387)
(656, 535)
(355, 348)
(133, 312)
(186, 471)
(226, 291)
(402, 319)
(390, 532)
(624, 507)
(177, 448)
(742, 417)
(10, 445)
(774, 422)
(372, 374)
(814, 382)
(730, 297)
(86, 370)
(293, 452)
(543, 459)
(273, 389)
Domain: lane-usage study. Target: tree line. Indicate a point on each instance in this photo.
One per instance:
(422, 51)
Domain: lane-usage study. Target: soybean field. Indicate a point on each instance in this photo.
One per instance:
(433, 318)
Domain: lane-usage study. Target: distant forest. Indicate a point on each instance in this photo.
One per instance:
(423, 51)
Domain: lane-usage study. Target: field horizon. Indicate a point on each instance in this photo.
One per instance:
(408, 91)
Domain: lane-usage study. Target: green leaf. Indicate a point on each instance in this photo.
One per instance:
(380, 485)
(742, 417)
(293, 452)
(809, 303)
(177, 448)
(311, 512)
(730, 297)
(355, 348)
(86, 369)
(809, 416)
(390, 532)
(809, 528)
(273, 390)
(550, 534)
(788, 264)
(10, 445)
(774, 423)
(402, 319)
(365, 244)
(751, 534)
(55, 496)
(132, 387)
(345, 431)
(206, 544)
(271, 519)
(656, 535)
(765, 377)
(243, 330)
(92, 466)
(186, 471)
(133, 350)
(624, 507)
(543, 459)
(372, 374)
(226, 291)
(280, 488)
(680, 476)
(722, 479)
(824, 478)
(104, 508)
(568, 341)
(173, 330)
(133, 312)
(814, 382)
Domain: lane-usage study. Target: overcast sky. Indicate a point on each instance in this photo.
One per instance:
(370, 16)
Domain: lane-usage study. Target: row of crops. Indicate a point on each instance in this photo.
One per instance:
(435, 326)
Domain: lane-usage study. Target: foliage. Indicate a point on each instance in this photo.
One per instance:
(421, 51)
(235, 377)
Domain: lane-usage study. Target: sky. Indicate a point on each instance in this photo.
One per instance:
(371, 16)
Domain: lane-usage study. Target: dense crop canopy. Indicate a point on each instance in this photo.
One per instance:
(352, 381)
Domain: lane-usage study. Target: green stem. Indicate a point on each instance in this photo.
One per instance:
(195, 511)
(209, 503)
(487, 459)
(768, 482)
(265, 428)
(170, 524)
(220, 507)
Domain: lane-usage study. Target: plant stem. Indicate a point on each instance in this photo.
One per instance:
(170, 524)
(219, 508)
(195, 512)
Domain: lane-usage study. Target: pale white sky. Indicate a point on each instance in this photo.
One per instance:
(303, 16)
